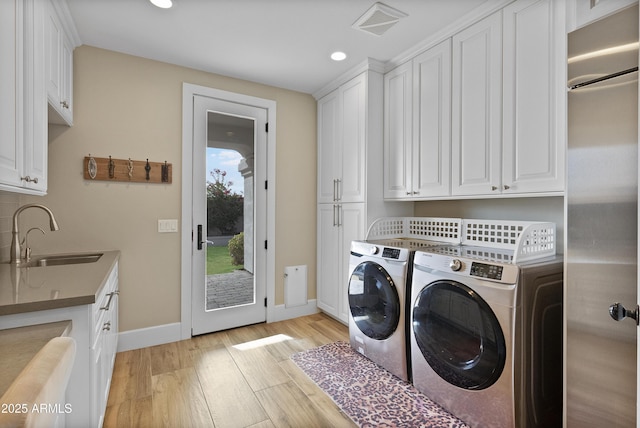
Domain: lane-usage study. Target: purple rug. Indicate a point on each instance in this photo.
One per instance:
(367, 393)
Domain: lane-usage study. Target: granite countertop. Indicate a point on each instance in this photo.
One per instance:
(19, 345)
(51, 287)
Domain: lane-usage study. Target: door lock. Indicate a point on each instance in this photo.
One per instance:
(619, 312)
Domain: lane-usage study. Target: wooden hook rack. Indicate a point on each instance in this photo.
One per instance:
(128, 170)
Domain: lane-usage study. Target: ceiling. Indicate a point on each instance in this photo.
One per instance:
(282, 43)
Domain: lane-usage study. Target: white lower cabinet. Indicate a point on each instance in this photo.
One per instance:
(103, 351)
(338, 225)
(95, 330)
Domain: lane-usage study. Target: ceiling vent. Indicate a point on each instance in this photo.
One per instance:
(378, 19)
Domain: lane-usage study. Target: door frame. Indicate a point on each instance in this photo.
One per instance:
(189, 91)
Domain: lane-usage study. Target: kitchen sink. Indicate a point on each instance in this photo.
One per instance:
(63, 259)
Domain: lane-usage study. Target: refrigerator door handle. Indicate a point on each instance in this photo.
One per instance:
(603, 78)
(619, 312)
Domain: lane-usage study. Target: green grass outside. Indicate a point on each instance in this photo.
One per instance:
(219, 261)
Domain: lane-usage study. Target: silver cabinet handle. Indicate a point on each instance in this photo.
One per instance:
(339, 219)
(29, 179)
(106, 307)
(335, 190)
(338, 190)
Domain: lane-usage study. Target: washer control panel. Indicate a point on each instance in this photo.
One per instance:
(391, 253)
(484, 270)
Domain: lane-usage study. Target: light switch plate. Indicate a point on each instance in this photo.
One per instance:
(168, 226)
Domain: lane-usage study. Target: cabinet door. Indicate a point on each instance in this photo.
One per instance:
(66, 89)
(351, 187)
(328, 147)
(432, 122)
(534, 92)
(398, 96)
(477, 108)
(54, 35)
(328, 260)
(11, 112)
(352, 227)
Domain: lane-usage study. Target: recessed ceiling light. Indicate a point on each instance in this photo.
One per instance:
(164, 4)
(338, 56)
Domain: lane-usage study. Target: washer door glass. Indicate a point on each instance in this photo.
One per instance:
(459, 335)
(374, 301)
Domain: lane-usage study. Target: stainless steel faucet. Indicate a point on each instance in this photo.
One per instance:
(16, 251)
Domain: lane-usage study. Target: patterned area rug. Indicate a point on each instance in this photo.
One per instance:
(368, 394)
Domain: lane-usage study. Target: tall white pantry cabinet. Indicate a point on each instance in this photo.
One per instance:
(349, 180)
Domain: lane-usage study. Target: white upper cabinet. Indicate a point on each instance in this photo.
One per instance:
(23, 147)
(477, 108)
(509, 102)
(481, 114)
(431, 157)
(59, 65)
(398, 110)
(417, 126)
(341, 143)
(534, 95)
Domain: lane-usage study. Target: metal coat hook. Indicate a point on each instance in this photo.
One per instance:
(165, 172)
(112, 168)
(147, 168)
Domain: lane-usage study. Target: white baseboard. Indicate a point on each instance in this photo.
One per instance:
(167, 333)
(281, 312)
(150, 336)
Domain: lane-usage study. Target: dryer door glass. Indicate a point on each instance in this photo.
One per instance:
(374, 301)
(459, 335)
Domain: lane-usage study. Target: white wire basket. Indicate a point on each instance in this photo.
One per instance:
(528, 240)
(446, 230)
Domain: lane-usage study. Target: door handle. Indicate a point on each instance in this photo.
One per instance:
(200, 241)
(619, 312)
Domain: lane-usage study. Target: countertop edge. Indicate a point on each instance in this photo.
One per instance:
(111, 258)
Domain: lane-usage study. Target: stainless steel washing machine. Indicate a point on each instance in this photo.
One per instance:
(378, 291)
(486, 335)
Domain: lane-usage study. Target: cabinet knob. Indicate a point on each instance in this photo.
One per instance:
(29, 179)
(494, 188)
(64, 104)
(107, 326)
(506, 187)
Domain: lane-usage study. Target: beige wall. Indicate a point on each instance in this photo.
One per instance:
(130, 107)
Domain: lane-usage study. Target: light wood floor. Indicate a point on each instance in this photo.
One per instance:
(210, 381)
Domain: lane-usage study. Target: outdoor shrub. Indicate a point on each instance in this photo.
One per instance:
(236, 249)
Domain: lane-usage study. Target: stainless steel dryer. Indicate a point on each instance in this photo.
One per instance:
(486, 335)
(378, 291)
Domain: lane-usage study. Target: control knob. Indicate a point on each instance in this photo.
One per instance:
(455, 265)
(373, 250)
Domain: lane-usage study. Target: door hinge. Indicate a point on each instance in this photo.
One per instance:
(265, 244)
(266, 127)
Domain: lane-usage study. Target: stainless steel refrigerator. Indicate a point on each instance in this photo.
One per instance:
(601, 224)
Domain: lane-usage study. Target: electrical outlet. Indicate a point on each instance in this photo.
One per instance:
(168, 226)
